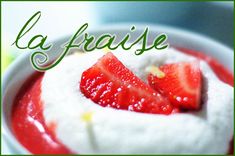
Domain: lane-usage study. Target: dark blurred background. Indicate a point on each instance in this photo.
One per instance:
(215, 19)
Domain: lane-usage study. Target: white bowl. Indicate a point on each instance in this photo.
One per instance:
(21, 68)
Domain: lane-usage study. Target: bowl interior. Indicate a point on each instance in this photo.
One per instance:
(21, 69)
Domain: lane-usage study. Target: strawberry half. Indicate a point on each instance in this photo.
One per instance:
(180, 82)
(110, 84)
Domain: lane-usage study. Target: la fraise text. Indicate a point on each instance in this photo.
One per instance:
(88, 43)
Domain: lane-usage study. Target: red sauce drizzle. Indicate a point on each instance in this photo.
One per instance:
(28, 123)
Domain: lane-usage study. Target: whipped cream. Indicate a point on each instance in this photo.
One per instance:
(87, 128)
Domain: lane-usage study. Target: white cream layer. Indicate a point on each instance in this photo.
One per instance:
(117, 131)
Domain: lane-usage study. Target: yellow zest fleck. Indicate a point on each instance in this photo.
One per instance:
(87, 116)
(106, 50)
(78, 53)
(155, 71)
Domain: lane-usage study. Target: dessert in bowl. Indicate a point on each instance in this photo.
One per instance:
(117, 103)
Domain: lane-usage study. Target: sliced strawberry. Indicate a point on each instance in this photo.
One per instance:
(110, 84)
(180, 82)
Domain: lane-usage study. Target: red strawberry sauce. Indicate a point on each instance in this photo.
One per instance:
(28, 123)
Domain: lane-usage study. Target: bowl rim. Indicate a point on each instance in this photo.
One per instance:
(121, 27)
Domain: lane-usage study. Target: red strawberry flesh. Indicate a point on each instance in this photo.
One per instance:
(181, 84)
(110, 84)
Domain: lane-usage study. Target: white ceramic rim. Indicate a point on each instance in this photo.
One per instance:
(187, 37)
